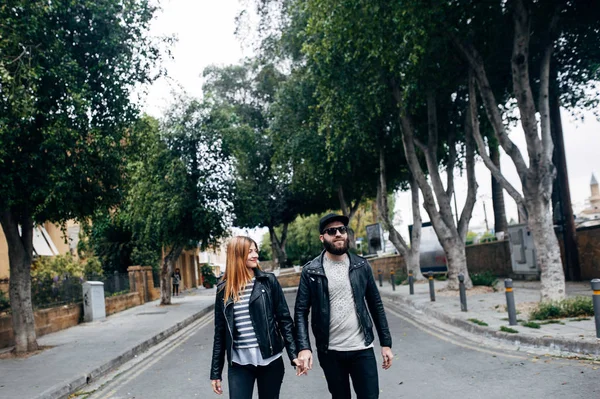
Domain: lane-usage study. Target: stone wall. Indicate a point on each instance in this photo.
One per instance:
(386, 264)
(46, 321)
(588, 240)
(289, 280)
(494, 256)
(119, 303)
(491, 256)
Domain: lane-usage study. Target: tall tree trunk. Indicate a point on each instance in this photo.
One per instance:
(166, 270)
(20, 254)
(536, 178)
(410, 253)
(278, 246)
(349, 211)
(547, 250)
(436, 198)
(500, 223)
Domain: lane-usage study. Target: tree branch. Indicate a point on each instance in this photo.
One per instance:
(521, 82)
(510, 189)
(451, 163)
(490, 104)
(467, 211)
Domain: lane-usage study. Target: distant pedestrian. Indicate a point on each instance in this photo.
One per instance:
(176, 278)
(339, 291)
(252, 326)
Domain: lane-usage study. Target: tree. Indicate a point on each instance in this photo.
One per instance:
(180, 190)
(545, 36)
(67, 71)
(264, 188)
(380, 47)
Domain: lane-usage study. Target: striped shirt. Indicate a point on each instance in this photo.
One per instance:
(245, 345)
(243, 332)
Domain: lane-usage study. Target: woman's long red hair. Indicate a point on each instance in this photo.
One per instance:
(237, 274)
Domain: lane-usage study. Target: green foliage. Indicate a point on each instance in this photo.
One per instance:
(470, 239)
(486, 278)
(479, 322)
(66, 100)
(508, 330)
(570, 307)
(58, 266)
(531, 324)
(487, 237)
(207, 273)
(4, 302)
(178, 193)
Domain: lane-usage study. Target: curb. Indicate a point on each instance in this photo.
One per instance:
(68, 387)
(560, 344)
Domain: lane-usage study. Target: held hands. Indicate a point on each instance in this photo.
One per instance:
(388, 356)
(306, 360)
(299, 367)
(216, 386)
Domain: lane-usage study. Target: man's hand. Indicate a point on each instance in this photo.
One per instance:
(216, 386)
(387, 355)
(305, 357)
(299, 367)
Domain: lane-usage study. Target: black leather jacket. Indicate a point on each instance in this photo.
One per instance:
(271, 319)
(313, 296)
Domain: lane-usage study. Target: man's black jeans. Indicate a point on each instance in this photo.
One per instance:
(360, 366)
(268, 378)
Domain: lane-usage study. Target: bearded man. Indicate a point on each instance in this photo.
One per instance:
(339, 290)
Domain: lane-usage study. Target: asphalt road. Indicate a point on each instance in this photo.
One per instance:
(426, 365)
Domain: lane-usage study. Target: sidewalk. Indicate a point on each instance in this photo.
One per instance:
(81, 353)
(571, 337)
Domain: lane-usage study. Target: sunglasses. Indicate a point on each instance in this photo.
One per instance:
(333, 230)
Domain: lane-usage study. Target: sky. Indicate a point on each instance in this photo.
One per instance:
(205, 30)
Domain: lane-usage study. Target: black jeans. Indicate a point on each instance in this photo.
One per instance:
(175, 289)
(268, 378)
(360, 366)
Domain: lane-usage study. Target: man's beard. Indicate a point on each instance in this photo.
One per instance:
(332, 249)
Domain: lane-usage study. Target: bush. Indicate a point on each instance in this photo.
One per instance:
(4, 303)
(571, 307)
(208, 276)
(486, 278)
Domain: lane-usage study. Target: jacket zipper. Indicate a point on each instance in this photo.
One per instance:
(362, 328)
(267, 324)
(228, 327)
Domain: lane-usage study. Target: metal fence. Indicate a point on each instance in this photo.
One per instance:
(47, 292)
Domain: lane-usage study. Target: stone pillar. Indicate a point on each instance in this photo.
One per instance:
(137, 281)
(148, 282)
(94, 306)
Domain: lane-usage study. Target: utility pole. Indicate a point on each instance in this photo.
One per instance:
(562, 193)
(487, 228)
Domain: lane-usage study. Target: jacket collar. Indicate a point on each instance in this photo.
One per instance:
(258, 274)
(316, 265)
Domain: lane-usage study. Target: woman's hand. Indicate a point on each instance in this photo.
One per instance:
(216, 386)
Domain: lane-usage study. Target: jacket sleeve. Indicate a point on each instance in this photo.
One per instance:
(219, 342)
(376, 309)
(301, 310)
(284, 319)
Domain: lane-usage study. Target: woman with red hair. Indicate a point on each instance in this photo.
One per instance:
(252, 326)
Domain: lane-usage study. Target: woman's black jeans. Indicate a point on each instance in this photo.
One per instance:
(360, 366)
(268, 378)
